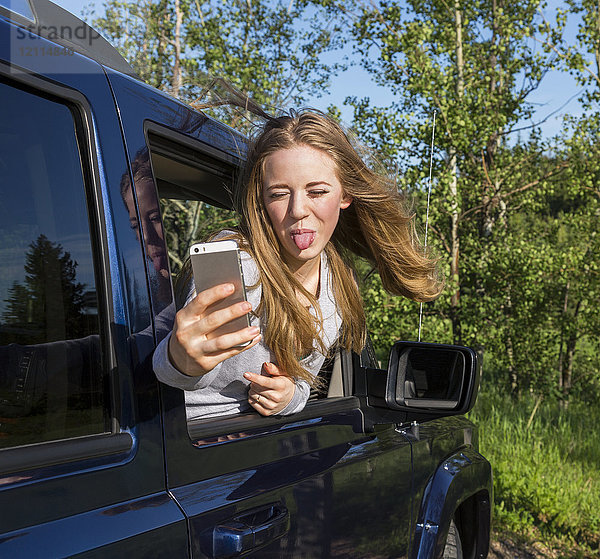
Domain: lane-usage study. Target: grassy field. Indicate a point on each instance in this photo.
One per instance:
(546, 468)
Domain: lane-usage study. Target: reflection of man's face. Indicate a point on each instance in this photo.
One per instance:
(151, 224)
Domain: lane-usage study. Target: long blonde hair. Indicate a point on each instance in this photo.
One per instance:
(376, 226)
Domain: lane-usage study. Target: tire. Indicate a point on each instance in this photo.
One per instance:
(453, 547)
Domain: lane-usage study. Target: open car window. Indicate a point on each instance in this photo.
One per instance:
(194, 190)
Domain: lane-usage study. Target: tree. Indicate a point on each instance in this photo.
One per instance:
(476, 65)
(216, 54)
(577, 199)
(48, 305)
(271, 51)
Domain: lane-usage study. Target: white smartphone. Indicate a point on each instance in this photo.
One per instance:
(216, 263)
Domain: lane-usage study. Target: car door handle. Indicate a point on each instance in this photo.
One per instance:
(249, 531)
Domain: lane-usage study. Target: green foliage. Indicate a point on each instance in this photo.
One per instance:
(582, 58)
(475, 64)
(391, 318)
(270, 50)
(191, 221)
(514, 222)
(545, 465)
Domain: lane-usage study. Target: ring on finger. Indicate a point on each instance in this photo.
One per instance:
(257, 398)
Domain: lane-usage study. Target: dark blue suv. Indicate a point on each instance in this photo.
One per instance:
(96, 456)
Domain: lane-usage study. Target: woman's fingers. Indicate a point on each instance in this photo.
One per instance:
(210, 361)
(197, 363)
(194, 348)
(215, 351)
(269, 389)
(270, 394)
(196, 314)
(261, 404)
(208, 297)
(236, 341)
(216, 319)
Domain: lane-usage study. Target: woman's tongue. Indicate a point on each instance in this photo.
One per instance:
(303, 239)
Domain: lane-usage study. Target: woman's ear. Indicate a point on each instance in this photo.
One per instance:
(346, 201)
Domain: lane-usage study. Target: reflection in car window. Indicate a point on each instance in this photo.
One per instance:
(50, 357)
(145, 221)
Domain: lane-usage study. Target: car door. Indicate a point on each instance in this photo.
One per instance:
(315, 484)
(81, 456)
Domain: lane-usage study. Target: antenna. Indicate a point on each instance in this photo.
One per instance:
(427, 215)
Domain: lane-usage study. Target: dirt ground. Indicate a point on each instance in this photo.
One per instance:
(505, 548)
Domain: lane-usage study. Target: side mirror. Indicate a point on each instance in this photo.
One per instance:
(423, 377)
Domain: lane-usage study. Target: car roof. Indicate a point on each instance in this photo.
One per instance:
(46, 19)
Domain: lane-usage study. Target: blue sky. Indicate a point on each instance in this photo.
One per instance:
(551, 97)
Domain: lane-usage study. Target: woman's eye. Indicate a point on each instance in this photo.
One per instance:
(276, 195)
(317, 192)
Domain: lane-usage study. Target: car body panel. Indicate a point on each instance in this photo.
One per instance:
(323, 470)
(108, 531)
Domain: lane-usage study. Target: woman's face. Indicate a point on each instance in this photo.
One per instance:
(303, 197)
(151, 224)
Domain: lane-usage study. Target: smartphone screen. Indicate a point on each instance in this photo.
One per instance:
(216, 263)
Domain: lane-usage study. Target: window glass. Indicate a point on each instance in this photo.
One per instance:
(51, 371)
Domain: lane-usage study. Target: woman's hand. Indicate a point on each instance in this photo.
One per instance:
(269, 395)
(193, 348)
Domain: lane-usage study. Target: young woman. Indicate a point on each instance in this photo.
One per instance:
(305, 201)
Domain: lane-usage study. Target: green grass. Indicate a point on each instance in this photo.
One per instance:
(546, 470)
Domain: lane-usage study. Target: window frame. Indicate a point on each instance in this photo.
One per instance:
(161, 139)
(111, 444)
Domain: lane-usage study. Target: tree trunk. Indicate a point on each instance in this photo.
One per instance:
(454, 195)
(460, 82)
(568, 344)
(176, 79)
(491, 200)
(597, 46)
(512, 371)
(160, 47)
(561, 351)
(455, 253)
(567, 372)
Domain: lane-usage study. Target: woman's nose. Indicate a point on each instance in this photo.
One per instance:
(152, 232)
(297, 208)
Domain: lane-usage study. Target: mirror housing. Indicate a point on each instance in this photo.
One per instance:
(427, 379)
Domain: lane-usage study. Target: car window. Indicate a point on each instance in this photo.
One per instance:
(51, 363)
(194, 196)
(194, 193)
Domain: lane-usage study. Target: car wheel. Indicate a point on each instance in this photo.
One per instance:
(453, 547)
